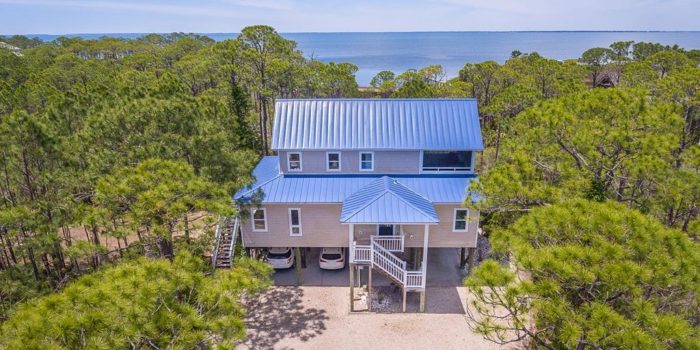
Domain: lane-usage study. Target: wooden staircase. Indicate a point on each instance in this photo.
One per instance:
(226, 234)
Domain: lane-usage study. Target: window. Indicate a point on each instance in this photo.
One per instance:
(439, 161)
(385, 230)
(333, 161)
(295, 222)
(259, 220)
(366, 161)
(461, 217)
(294, 161)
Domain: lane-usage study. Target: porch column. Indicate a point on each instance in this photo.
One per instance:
(424, 266)
(351, 234)
(351, 266)
(369, 288)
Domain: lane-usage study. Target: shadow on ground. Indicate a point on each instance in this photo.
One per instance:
(438, 300)
(278, 314)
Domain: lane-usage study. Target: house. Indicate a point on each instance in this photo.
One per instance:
(384, 178)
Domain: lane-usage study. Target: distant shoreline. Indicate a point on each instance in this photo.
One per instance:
(373, 52)
(32, 35)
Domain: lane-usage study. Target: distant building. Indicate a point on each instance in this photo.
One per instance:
(15, 50)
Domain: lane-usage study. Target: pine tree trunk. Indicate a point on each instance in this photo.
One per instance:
(8, 244)
(96, 242)
(166, 248)
(187, 229)
(498, 144)
(30, 253)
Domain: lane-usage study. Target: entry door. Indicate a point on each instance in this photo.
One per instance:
(385, 230)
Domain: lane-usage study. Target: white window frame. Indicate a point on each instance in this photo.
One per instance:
(372, 163)
(252, 219)
(454, 220)
(340, 161)
(289, 162)
(292, 226)
(466, 170)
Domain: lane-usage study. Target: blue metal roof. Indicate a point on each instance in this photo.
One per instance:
(378, 124)
(278, 188)
(385, 200)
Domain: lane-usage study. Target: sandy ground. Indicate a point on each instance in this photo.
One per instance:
(317, 315)
(197, 226)
(319, 318)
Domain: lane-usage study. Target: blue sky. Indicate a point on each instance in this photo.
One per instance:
(133, 16)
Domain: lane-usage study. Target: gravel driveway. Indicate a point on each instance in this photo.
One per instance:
(318, 317)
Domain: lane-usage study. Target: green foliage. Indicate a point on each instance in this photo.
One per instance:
(382, 78)
(21, 41)
(138, 304)
(611, 142)
(75, 113)
(157, 195)
(589, 274)
(130, 139)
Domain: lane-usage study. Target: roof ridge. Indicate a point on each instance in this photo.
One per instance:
(410, 189)
(367, 204)
(372, 200)
(386, 182)
(259, 185)
(409, 203)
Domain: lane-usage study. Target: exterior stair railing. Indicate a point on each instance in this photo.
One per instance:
(226, 234)
(379, 255)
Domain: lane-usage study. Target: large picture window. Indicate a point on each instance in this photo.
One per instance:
(294, 161)
(259, 220)
(439, 161)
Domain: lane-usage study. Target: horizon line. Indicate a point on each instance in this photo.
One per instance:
(376, 32)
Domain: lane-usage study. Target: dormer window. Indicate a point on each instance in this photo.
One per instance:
(447, 161)
(333, 161)
(366, 161)
(294, 161)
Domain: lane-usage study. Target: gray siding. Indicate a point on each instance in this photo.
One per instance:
(321, 227)
(385, 162)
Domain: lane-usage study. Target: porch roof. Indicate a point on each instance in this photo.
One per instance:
(385, 200)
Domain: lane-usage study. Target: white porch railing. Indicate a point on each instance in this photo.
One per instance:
(390, 243)
(378, 255)
(389, 263)
(360, 253)
(414, 279)
(385, 253)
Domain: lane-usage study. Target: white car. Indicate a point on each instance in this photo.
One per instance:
(331, 259)
(280, 258)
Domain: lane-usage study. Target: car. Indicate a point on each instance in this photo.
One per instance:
(331, 259)
(280, 258)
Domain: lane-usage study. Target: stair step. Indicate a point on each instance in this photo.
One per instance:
(224, 246)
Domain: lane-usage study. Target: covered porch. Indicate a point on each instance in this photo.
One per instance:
(378, 217)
